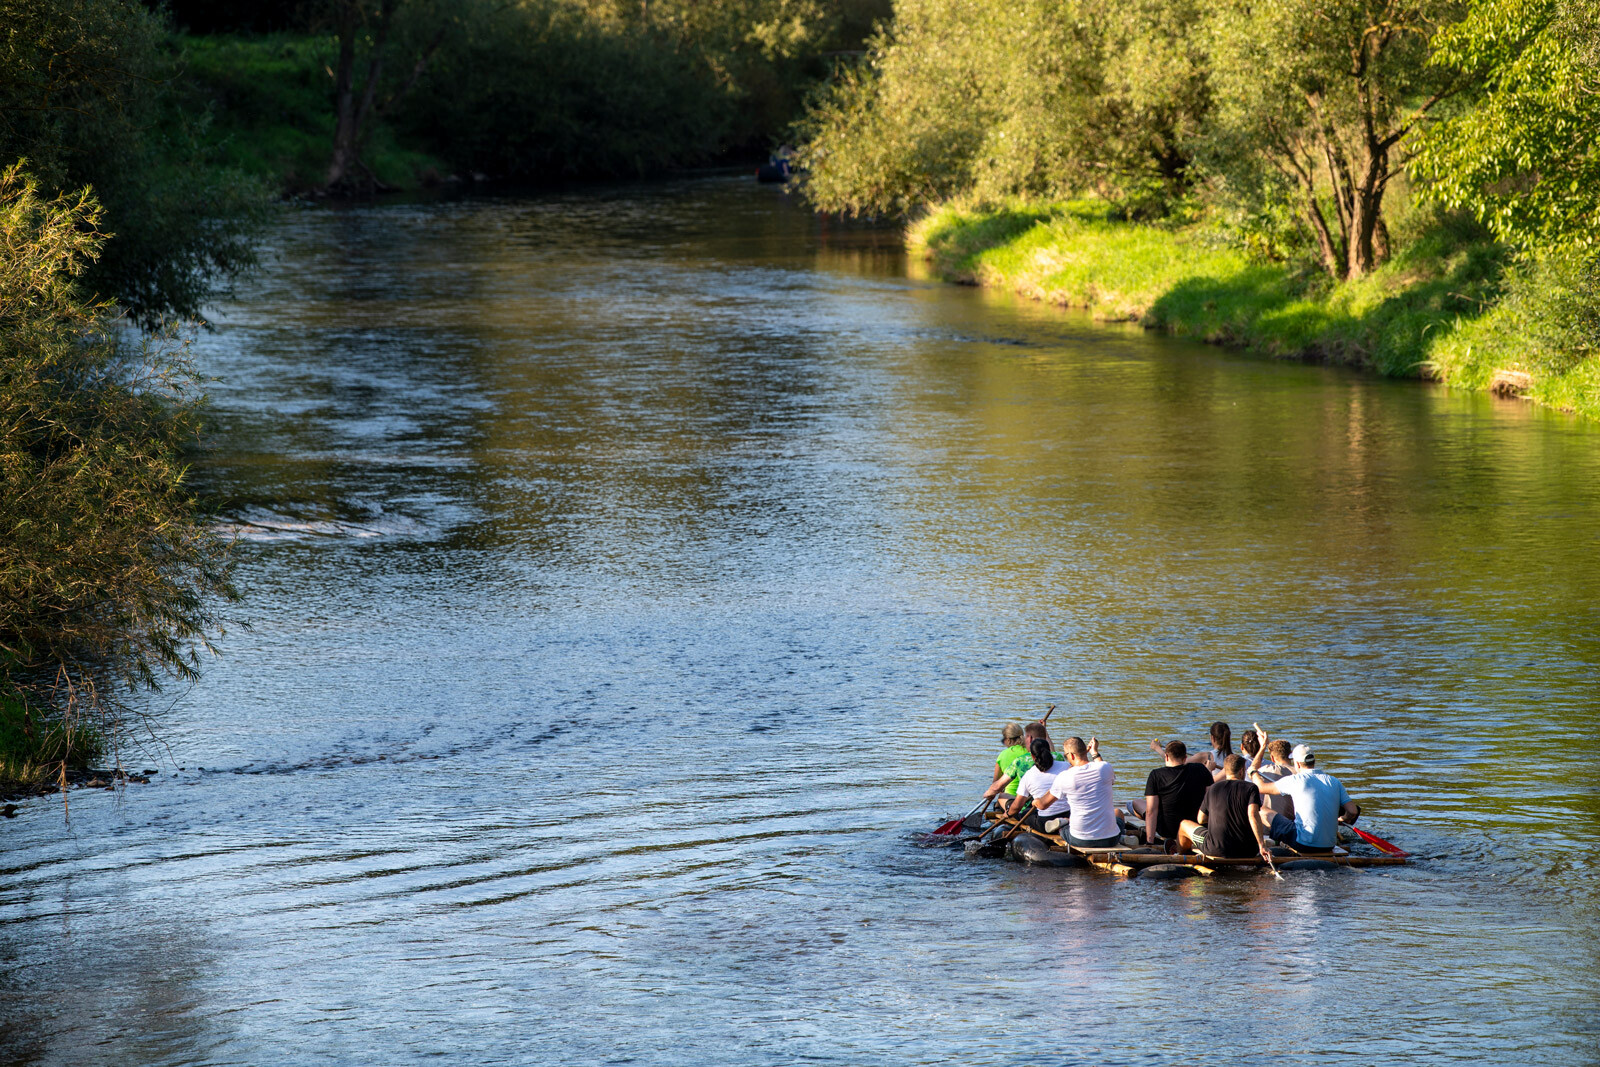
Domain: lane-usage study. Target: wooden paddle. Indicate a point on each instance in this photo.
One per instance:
(1273, 867)
(954, 825)
(999, 822)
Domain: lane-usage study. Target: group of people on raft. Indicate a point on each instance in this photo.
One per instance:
(1220, 803)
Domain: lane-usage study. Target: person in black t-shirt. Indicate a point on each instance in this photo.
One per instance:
(1228, 824)
(1172, 795)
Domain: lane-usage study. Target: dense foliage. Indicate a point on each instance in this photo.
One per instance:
(1034, 98)
(554, 88)
(84, 98)
(108, 575)
(1526, 156)
(544, 91)
(1323, 96)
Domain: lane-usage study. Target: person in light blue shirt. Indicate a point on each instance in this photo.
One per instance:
(1321, 802)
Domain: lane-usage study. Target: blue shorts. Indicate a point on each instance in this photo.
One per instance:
(1283, 831)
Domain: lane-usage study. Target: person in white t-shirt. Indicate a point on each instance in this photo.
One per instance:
(1085, 788)
(1035, 785)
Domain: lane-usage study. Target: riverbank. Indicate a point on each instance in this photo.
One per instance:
(267, 98)
(34, 746)
(1435, 310)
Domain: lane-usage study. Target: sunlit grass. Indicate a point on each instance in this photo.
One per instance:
(1430, 311)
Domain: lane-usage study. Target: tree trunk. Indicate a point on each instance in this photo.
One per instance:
(350, 113)
(344, 124)
(1332, 260)
(1367, 214)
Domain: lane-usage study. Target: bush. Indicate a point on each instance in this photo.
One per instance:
(108, 573)
(84, 98)
(36, 745)
(1035, 98)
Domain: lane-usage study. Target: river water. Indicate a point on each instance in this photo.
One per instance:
(633, 573)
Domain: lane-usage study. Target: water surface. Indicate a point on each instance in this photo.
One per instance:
(633, 573)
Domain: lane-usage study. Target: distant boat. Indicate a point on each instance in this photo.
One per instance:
(775, 169)
(778, 168)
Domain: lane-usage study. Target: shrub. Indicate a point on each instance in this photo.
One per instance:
(109, 575)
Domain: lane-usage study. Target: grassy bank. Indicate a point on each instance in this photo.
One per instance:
(32, 748)
(1435, 310)
(268, 110)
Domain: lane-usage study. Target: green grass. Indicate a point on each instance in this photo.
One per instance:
(33, 746)
(270, 110)
(1431, 311)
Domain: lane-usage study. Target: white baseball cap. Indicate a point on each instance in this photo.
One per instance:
(1301, 754)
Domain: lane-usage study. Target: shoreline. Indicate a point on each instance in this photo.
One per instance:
(88, 778)
(1429, 313)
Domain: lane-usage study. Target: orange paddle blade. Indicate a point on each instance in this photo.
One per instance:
(1379, 843)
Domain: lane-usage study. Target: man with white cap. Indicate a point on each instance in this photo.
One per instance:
(1321, 802)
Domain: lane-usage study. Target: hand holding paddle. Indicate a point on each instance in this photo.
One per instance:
(1273, 867)
(954, 826)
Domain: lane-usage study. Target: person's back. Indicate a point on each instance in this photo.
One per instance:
(1037, 783)
(1036, 787)
(1176, 791)
(1231, 829)
(1035, 731)
(1086, 788)
(1318, 798)
(1006, 762)
(1273, 769)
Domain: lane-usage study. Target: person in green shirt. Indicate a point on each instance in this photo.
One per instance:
(1006, 778)
(1005, 770)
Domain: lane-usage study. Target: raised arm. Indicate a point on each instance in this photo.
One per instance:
(1253, 772)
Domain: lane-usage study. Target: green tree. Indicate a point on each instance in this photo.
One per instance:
(1324, 97)
(360, 102)
(1034, 98)
(109, 577)
(762, 55)
(83, 97)
(1525, 157)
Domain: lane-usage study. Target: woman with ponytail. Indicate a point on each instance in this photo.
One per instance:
(1035, 786)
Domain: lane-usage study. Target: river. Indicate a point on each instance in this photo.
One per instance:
(633, 573)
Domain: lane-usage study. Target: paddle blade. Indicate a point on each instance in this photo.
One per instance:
(1379, 843)
(952, 827)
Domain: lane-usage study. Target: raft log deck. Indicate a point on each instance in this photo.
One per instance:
(1128, 859)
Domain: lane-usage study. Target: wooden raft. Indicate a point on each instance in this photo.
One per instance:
(1127, 860)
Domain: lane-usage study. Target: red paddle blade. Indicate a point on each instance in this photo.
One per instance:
(952, 827)
(1379, 843)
